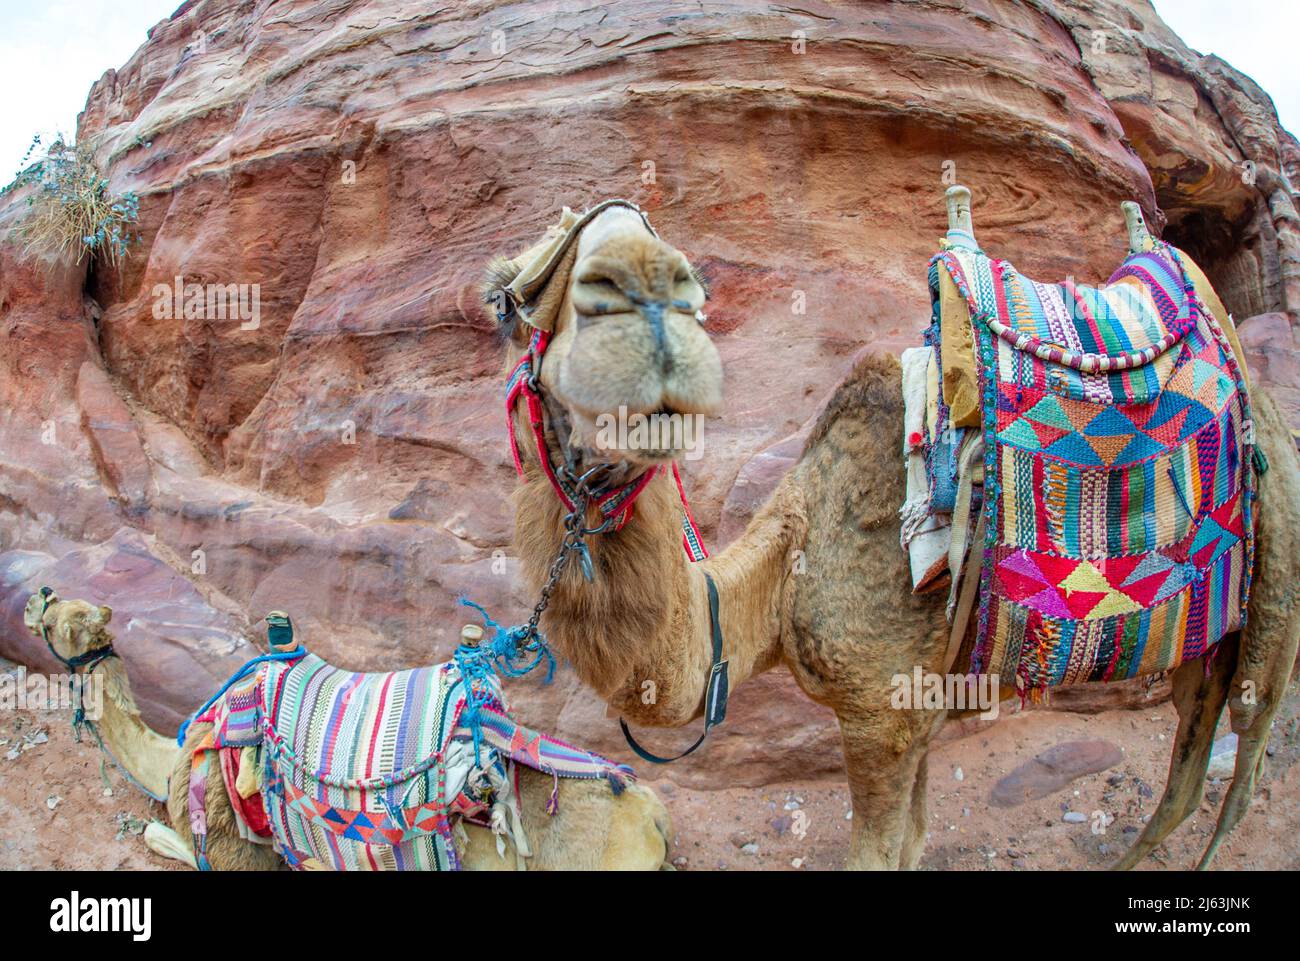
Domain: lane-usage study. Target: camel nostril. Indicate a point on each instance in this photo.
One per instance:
(653, 311)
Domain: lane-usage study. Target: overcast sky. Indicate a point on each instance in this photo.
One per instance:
(51, 51)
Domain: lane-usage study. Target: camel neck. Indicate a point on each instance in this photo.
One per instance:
(639, 632)
(145, 755)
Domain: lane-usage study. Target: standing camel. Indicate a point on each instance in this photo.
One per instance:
(616, 313)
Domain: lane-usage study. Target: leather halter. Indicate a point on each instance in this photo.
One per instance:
(716, 689)
(615, 503)
(87, 661)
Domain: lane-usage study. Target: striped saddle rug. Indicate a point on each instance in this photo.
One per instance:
(370, 772)
(1101, 470)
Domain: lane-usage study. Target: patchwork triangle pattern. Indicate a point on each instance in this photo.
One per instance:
(1122, 516)
(1090, 436)
(1109, 423)
(1048, 411)
(1085, 590)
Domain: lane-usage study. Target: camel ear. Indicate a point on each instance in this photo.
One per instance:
(63, 633)
(105, 613)
(32, 614)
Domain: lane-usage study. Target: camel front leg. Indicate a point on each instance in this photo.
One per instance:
(160, 839)
(914, 838)
(884, 755)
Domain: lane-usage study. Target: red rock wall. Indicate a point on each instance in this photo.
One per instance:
(361, 161)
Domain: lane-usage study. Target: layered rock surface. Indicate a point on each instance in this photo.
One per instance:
(344, 459)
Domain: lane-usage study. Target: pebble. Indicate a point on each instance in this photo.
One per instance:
(796, 863)
(958, 774)
(52, 801)
(1223, 758)
(750, 848)
(1074, 817)
(1053, 769)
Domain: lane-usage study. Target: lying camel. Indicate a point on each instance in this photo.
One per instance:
(592, 830)
(817, 582)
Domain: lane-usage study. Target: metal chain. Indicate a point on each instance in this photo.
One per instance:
(574, 541)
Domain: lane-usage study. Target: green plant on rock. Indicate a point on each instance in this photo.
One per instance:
(72, 210)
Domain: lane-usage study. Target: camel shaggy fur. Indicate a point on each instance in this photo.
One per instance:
(592, 830)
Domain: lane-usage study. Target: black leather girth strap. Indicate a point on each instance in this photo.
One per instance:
(715, 691)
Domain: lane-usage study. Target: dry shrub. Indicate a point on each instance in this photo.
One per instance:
(72, 211)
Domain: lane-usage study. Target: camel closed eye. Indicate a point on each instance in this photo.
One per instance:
(689, 294)
(600, 296)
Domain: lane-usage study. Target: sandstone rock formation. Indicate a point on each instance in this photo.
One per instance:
(359, 161)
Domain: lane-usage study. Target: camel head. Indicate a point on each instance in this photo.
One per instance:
(74, 627)
(624, 312)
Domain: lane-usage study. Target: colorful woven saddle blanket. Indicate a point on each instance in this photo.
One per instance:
(1117, 480)
(372, 771)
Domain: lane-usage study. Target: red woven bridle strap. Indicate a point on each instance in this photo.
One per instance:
(616, 504)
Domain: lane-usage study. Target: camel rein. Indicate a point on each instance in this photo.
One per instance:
(579, 491)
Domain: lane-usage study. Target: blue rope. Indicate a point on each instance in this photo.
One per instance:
(243, 672)
(480, 664)
(504, 651)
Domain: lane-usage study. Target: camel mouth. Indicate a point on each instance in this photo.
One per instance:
(637, 437)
